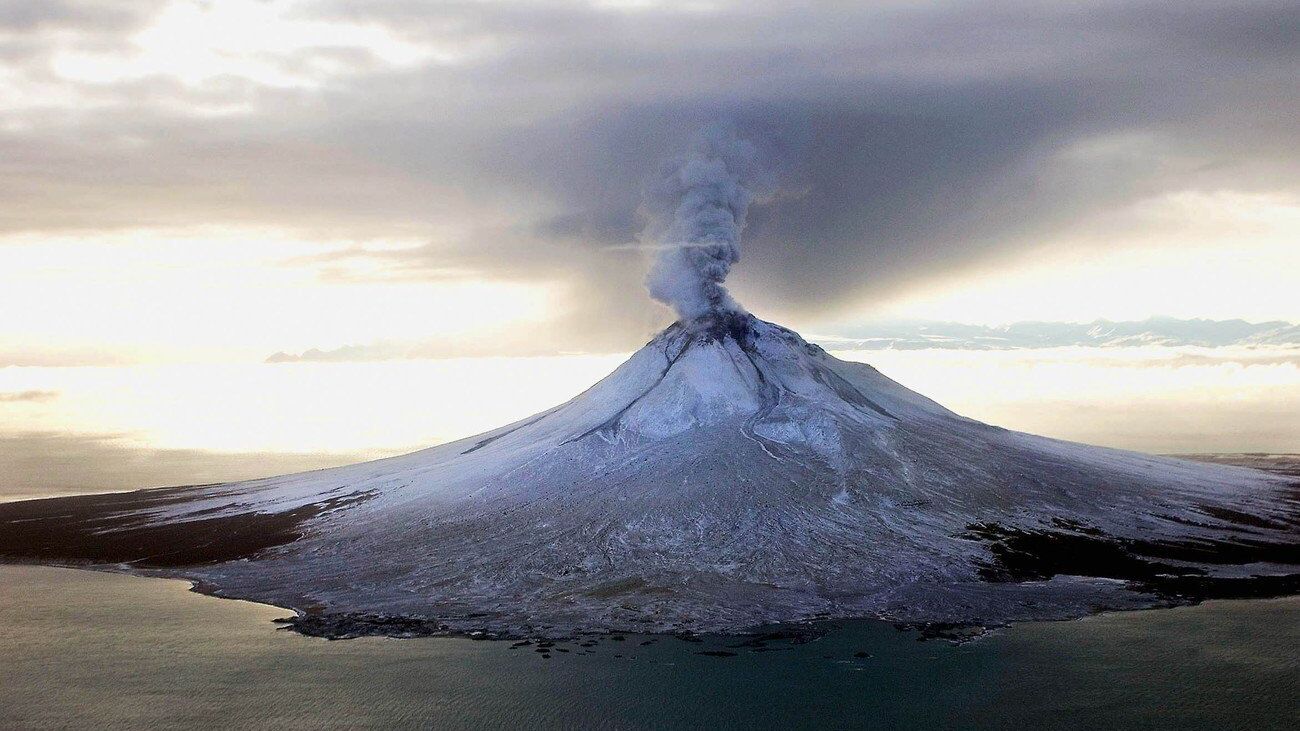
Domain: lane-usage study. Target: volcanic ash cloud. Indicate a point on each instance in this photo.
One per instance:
(696, 212)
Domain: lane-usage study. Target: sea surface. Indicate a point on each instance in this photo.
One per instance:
(86, 649)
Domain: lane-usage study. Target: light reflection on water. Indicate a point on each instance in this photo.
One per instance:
(94, 649)
(89, 649)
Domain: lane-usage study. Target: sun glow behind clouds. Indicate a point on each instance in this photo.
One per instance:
(1149, 399)
(197, 42)
(221, 294)
(298, 407)
(1146, 399)
(1186, 254)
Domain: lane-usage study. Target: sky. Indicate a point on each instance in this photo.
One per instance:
(202, 183)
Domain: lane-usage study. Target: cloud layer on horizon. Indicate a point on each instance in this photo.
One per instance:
(1268, 341)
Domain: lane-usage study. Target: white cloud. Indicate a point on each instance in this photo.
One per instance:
(200, 42)
(1182, 254)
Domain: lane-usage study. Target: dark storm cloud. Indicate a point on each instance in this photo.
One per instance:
(911, 140)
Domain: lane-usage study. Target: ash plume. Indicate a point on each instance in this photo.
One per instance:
(696, 211)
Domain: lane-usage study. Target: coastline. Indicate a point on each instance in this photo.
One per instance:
(78, 532)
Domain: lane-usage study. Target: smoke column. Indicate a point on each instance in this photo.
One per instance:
(696, 209)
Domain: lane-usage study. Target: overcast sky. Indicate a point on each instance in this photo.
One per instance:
(183, 179)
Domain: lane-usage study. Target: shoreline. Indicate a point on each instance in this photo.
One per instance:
(335, 626)
(755, 640)
(96, 532)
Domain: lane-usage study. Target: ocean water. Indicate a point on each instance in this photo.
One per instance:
(88, 649)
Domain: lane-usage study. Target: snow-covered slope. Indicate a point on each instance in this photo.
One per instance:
(729, 474)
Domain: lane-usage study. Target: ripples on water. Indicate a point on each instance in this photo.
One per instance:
(89, 649)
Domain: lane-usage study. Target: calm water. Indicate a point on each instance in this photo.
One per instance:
(83, 649)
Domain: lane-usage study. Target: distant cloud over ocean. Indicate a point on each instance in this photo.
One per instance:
(899, 335)
(1155, 331)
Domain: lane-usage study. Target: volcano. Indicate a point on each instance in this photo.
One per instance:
(728, 475)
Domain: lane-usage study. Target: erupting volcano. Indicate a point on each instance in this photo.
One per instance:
(728, 475)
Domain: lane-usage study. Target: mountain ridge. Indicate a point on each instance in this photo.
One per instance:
(729, 474)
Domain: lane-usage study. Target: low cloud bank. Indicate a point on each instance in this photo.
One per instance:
(1156, 331)
(913, 335)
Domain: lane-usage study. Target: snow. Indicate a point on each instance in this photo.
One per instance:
(727, 474)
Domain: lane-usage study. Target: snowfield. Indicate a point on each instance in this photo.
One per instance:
(730, 475)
